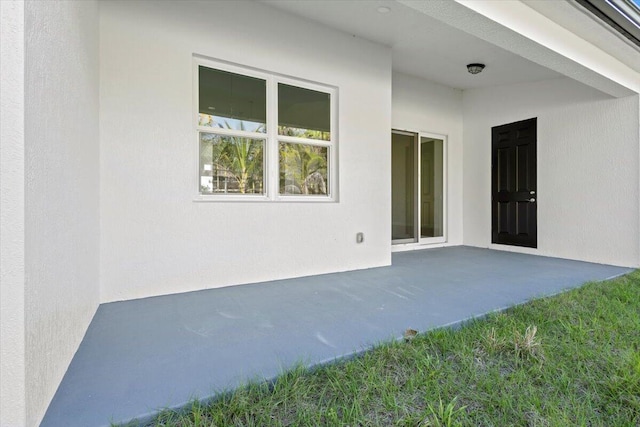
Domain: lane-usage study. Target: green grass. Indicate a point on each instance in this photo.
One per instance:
(572, 359)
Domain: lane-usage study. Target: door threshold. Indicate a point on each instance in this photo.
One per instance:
(403, 247)
(514, 248)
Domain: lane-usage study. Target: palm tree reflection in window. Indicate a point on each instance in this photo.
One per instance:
(231, 164)
(303, 169)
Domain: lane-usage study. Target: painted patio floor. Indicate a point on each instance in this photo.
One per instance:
(144, 355)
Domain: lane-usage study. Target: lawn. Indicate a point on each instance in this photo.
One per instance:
(572, 359)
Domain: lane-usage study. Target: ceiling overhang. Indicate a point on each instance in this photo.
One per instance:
(621, 15)
(436, 39)
(515, 27)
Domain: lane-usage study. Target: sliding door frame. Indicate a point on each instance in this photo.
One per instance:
(418, 240)
(416, 199)
(443, 238)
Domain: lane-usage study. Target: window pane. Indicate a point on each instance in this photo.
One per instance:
(231, 165)
(303, 113)
(232, 101)
(403, 172)
(303, 169)
(432, 209)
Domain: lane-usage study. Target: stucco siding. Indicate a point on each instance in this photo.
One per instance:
(423, 106)
(61, 190)
(12, 221)
(587, 168)
(154, 238)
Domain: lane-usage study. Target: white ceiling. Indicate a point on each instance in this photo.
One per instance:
(421, 46)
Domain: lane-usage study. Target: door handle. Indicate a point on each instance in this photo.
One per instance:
(531, 200)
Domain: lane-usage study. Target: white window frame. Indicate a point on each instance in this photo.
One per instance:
(271, 178)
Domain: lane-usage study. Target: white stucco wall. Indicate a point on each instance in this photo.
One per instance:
(587, 168)
(61, 188)
(154, 238)
(421, 105)
(12, 222)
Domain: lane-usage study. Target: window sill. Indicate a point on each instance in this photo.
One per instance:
(261, 199)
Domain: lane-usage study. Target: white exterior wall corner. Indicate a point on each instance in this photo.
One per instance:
(154, 238)
(12, 221)
(421, 105)
(588, 168)
(61, 190)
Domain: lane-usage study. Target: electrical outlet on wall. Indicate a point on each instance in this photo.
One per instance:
(359, 237)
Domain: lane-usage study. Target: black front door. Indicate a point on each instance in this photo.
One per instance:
(513, 184)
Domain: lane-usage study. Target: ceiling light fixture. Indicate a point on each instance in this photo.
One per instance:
(384, 9)
(475, 68)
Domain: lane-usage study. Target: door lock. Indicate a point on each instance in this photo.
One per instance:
(532, 192)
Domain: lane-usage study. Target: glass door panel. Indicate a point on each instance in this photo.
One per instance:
(403, 187)
(431, 187)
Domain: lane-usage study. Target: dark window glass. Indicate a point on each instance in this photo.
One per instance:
(303, 113)
(232, 101)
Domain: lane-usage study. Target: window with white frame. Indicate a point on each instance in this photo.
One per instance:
(263, 136)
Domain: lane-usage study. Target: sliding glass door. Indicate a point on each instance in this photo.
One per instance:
(418, 197)
(403, 183)
(431, 187)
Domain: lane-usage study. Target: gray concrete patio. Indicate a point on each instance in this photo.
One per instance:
(144, 355)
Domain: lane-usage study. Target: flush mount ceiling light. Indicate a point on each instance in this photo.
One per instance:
(384, 9)
(475, 68)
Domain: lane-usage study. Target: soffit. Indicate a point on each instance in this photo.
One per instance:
(578, 20)
(421, 45)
